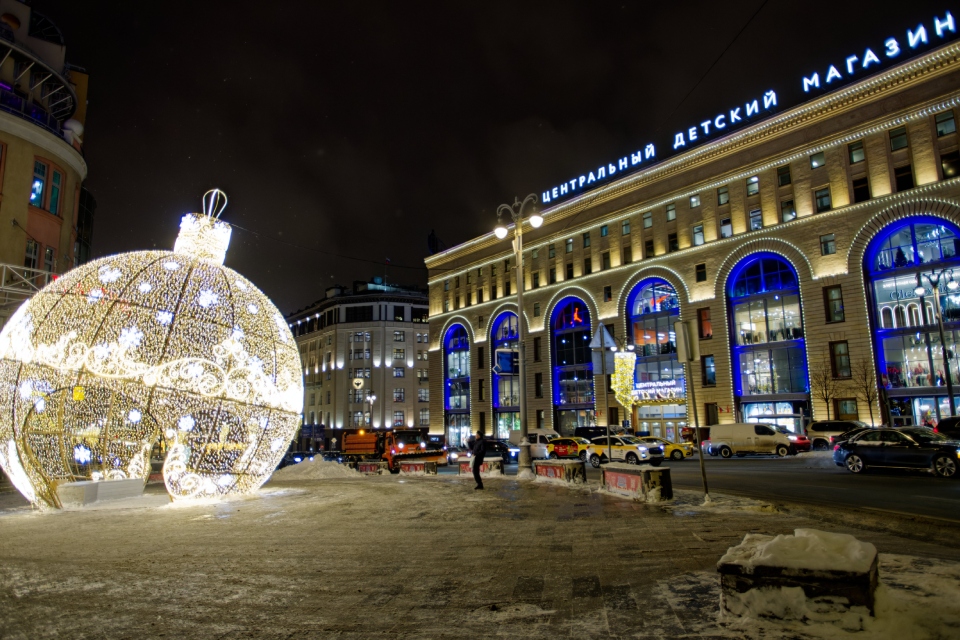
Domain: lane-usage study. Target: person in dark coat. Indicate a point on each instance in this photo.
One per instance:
(479, 450)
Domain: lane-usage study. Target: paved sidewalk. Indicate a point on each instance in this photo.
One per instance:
(383, 557)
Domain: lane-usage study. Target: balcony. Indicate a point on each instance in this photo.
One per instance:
(18, 106)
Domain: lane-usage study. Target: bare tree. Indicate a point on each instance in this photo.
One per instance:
(823, 385)
(864, 381)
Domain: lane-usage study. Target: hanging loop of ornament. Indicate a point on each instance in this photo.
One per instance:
(214, 202)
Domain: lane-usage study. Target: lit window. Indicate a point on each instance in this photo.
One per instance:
(709, 371)
(817, 160)
(828, 244)
(695, 201)
(398, 372)
(569, 246)
(723, 195)
(726, 228)
(647, 220)
(39, 181)
(604, 231)
(671, 212)
(855, 149)
(625, 227)
(698, 235)
(787, 211)
(753, 185)
(756, 220)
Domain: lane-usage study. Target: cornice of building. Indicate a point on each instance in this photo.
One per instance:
(47, 141)
(921, 69)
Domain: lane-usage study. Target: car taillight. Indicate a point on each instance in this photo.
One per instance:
(836, 447)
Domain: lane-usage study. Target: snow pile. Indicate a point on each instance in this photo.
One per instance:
(808, 549)
(791, 603)
(316, 469)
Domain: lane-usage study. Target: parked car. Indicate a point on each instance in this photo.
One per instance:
(623, 449)
(799, 441)
(747, 437)
(949, 427)
(901, 447)
(589, 433)
(496, 449)
(538, 439)
(820, 431)
(455, 453)
(568, 448)
(847, 435)
(672, 450)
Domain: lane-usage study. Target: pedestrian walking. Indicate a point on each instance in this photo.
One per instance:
(477, 460)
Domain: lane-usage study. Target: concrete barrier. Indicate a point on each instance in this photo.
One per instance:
(488, 468)
(418, 468)
(574, 471)
(88, 491)
(640, 482)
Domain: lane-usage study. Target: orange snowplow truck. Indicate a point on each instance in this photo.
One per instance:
(391, 446)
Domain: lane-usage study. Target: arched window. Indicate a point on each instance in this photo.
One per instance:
(652, 309)
(505, 374)
(456, 346)
(912, 364)
(572, 366)
(769, 356)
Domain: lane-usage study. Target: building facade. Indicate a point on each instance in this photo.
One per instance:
(795, 248)
(362, 344)
(42, 112)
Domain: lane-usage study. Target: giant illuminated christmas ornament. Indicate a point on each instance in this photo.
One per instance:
(112, 357)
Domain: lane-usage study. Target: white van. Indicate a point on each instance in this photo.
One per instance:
(538, 439)
(747, 437)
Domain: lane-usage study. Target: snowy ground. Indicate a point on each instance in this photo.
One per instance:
(322, 552)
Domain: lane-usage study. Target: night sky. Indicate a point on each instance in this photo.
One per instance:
(344, 132)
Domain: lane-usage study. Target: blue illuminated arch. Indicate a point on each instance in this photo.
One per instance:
(504, 336)
(763, 272)
(912, 242)
(456, 382)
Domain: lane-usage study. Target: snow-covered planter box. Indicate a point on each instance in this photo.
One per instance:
(418, 468)
(88, 491)
(640, 482)
(370, 467)
(488, 468)
(812, 574)
(565, 470)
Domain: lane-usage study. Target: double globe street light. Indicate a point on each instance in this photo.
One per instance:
(516, 211)
(933, 278)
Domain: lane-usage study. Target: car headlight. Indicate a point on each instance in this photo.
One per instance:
(642, 448)
(792, 438)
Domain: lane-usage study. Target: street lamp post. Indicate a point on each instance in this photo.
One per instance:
(933, 278)
(370, 400)
(515, 212)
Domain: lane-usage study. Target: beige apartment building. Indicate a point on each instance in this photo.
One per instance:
(794, 244)
(357, 345)
(45, 214)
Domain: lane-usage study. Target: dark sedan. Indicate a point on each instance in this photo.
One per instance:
(905, 448)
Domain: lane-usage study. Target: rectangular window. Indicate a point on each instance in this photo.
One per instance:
(723, 196)
(648, 220)
(787, 211)
(538, 385)
(423, 394)
(861, 190)
(648, 249)
(446, 285)
(39, 181)
(479, 296)
(903, 176)
(672, 243)
(604, 231)
(586, 240)
(424, 417)
(398, 394)
(398, 372)
(399, 354)
(536, 309)
(822, 197)
(587, 266)
(855, 151)
(551, 251)
(698, 235)
(695, 201)
(535, 253)
(950, 164)
(898, 138)
(817, 160)
(607, 293)
(753, 185)
(568, 246)
(55, 185)
(493, 271)
(709, 367)
(605, 260)
(48, 259)
(456, 282)
(833, 301)
(536, 279)
(569, 274)
(536, 349)
(840, 359)
(828, 244)
(701, 272)
(783, 176)
(945, 123)
(704, 323)
(726, 228)
(553, 275)
(627, 255)
(507, 287)
(398, 419)
(625, 227)
(32, 254)
(671, 212)
(756, 220)
(399, 336)
(481, 389)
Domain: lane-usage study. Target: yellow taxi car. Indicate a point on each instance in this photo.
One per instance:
(568, 448)
(672, 450)
(623, 449)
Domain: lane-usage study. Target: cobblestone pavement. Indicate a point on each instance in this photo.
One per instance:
(383, 557)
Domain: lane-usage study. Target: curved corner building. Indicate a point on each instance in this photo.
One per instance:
(42, 112)
(807, 247)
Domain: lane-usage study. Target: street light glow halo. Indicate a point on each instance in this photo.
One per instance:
(919, 290)
(500, 231)
(536, 220)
